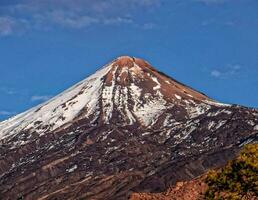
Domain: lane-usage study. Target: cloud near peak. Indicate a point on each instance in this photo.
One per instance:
(6, 113)
(40, 97)
(227, 71)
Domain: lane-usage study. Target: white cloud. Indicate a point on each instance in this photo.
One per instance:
(70, 19)
(77, 20)
(117, 21)
(227, 71)
(40, 98)
(215, 73)
(10, 25)
(7, 25)
(82, 5)
(74, 14)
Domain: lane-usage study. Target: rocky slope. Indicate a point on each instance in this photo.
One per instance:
(237, 180)
(189, 190)
(126, 128)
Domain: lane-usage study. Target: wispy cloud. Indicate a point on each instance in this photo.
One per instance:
(216, 73)
(10, 25)
(117, 21)
(209, 2)
(149, 26)
(40, 97)
(67, 19)
(74, 14)
(216, 22)
(6, 26)
(7, 90)
(226, 72)
(6, 113)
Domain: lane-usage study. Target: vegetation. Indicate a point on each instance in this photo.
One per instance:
(238, 180)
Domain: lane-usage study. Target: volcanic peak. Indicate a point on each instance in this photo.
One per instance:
(122, 129)
(127, 61)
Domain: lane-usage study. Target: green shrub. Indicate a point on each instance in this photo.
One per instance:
(237, 180)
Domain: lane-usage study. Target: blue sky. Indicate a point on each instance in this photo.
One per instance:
(48, 45)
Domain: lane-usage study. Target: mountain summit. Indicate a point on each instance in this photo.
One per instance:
(126, 91)
(128, 127)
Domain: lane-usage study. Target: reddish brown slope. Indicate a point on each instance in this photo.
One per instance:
(190, 190)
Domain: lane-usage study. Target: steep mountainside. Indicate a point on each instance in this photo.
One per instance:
(128, 127)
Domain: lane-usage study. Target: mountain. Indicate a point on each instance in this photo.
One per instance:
(127, 128)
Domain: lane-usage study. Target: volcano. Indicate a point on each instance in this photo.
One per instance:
(126, 128)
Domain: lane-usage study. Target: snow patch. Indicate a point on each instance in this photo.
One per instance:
(107, 99)
(178, 97)
(197, 110)
(60, 109)
(214, 103)
(211, 125)
(72, 169)
(150, 111)
(158, 86)
(220, 124)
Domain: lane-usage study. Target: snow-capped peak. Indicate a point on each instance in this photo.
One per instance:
(126, 91)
